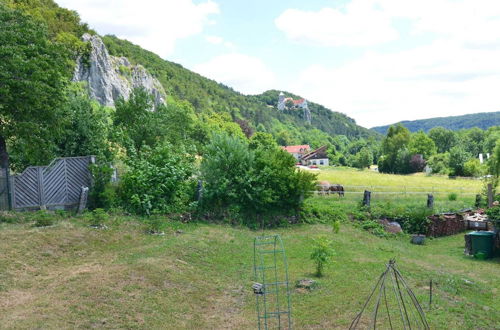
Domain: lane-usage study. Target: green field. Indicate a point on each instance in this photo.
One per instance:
(353, 177)
(400, 190)
(199, 276)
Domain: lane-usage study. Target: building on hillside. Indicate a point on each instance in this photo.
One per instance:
(297, 151)
(294, 104)
(316, 157)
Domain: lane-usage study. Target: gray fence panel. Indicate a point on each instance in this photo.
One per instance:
(58, 184)
(26, 189)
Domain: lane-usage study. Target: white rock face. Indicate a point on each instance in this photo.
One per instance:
(109, 77)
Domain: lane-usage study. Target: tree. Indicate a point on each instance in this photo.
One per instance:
(421, 144)
(443, 138)
(439, 163)
(33, 76)
(134, 120)
(473, 140)
(458, 157)
(87, 128)
(394, 150)
(364, 158)
(262, 140)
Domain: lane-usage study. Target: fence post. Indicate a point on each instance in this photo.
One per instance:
(41, 196)
(8, 186)
(430, 201)
(490, 195)
(366, 198)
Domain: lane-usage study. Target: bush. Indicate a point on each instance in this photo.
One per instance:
(452, 196)
(157, 181)
(256, 183)
(42, 218)
(314, 211)
(415, 220)
(473, 168)
(98, 218)
(373, 227)
(322, 253)
(99, 194)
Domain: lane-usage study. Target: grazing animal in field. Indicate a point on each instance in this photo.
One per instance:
(337, 188)
(323, 187)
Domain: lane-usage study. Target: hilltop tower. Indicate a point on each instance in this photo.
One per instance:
(307, 112)
(281, 101)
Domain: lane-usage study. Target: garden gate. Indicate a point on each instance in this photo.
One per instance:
(57, 185)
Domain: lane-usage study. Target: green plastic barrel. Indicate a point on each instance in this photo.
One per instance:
(482, 243)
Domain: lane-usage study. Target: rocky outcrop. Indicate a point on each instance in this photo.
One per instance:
(109, 77)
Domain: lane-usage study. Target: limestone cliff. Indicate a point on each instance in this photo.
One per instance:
(109, 77)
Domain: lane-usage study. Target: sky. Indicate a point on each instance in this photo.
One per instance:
(378, 61)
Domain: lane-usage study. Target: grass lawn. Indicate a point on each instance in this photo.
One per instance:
(199, 276)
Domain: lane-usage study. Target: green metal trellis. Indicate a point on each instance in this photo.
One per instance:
(272, 291)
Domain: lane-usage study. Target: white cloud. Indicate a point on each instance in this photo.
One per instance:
(214, 40)
(244, 73)
(359, 23)
(457, 72)
(154, 25)
(440, 79)
(470, 21)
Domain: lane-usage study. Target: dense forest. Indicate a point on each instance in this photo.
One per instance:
(483, 120)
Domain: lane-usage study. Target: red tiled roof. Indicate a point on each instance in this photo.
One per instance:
(297, 149)
(298, 101)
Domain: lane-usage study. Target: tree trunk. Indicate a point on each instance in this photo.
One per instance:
(4, 155)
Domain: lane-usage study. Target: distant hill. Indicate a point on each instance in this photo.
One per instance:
(482, 120)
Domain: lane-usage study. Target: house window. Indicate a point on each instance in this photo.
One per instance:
(321, 162)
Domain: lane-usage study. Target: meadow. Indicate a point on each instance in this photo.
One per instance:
(200, 275)
(393, 190)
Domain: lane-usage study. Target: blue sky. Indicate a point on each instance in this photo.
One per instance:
(378, 61)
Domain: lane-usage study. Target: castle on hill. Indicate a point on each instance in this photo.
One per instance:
(289, 104)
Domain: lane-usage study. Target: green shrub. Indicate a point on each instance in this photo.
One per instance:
(10, 217)
(43, 218)
(452, 196)
(316, 211)
(99, 194)
(336, 226)
(98, 217)
(494, 215)
(373, 227)
(257, 183)
(157, 181)
(322, 253)
(415, 220)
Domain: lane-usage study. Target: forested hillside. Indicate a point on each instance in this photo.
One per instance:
(483, 120)
(204, 94)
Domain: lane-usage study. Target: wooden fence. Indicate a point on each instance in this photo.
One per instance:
(56, 186)
(4, 190)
